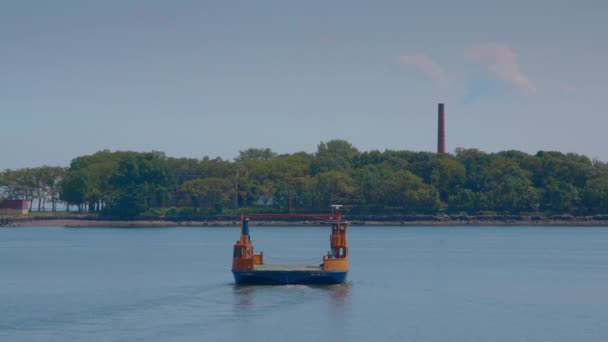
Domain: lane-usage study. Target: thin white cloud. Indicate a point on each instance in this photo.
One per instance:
(502, 61)
(424, 64)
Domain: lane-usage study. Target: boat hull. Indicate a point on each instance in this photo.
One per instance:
(255, 277)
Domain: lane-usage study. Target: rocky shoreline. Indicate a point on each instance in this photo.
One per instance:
(356, 220)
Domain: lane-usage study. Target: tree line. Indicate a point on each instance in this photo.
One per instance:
(370, 182)
(43, 184)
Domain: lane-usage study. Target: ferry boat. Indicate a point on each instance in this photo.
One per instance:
(249, 268)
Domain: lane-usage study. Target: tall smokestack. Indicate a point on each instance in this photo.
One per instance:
(441, 130)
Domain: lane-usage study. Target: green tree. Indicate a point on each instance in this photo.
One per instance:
(530, 164)
(510, 188)
(472, 181)
(48, 180)
(595, 196)
(20, 184)
(99, 168)
(74, 189)
(372, 184)
(408, 192)
(448, 176)
(464, 200)
(267, 189)
(288, 173)
(209, 192)
(559, 197)
(217, 168)
(51, 182)
(334, 155)
(255, 154)
(141, 181)
(335, 187)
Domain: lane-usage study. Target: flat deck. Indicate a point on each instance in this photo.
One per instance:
(288, 268)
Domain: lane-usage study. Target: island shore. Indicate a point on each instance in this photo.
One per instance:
(222, 221)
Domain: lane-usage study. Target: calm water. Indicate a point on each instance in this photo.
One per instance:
(406, 284)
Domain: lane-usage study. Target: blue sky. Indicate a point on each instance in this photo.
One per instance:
(196, 78)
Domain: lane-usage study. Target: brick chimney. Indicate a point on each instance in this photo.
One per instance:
(441, 130)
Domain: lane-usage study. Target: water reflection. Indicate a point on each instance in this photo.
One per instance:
(244, 295)
(255, 296)
(339, 293)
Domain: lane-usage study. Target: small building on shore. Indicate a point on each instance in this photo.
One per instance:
(14, 207)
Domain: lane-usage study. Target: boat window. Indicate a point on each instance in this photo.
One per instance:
(238, 252)
(341, 252)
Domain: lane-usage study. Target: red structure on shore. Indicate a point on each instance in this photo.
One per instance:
(14, 207)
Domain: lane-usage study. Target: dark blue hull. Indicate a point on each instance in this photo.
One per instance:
(288, 277)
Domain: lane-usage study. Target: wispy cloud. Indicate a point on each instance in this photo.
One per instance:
(424, 64)
(502, 61)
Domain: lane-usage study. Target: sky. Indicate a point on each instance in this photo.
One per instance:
(210, 78)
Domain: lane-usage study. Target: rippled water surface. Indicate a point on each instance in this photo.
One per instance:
(406, 284)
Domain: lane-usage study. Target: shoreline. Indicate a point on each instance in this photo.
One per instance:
(431, 221)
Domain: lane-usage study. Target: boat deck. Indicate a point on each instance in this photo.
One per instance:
(288, 268)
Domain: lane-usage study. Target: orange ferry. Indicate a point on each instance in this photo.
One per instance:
(249, 268)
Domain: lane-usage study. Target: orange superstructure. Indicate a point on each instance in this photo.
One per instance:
(246, 265)
(243, 257)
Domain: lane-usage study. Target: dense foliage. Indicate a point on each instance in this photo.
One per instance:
(374, 182)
